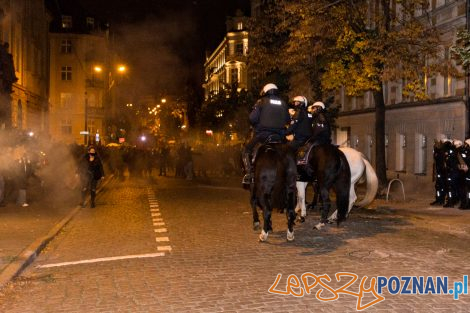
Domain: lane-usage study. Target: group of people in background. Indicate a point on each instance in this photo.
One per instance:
(273, 119)
(451, 173)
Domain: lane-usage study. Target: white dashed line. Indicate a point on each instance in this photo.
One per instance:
(164, 248)
(162, 239)
(157, 221)
(160, 230)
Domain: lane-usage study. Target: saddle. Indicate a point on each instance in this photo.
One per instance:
(268, 143)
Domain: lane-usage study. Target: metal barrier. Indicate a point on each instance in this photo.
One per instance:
(402, 187)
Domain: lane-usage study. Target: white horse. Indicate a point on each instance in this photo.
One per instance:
(358, 164)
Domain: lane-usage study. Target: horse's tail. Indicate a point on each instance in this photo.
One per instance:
(372, 185)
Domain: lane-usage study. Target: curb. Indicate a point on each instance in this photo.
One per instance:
(28, 255)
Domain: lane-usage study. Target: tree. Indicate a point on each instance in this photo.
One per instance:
(359, 46)
(226, 111)
(461, 52)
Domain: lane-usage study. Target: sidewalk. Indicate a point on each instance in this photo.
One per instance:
(25, 231)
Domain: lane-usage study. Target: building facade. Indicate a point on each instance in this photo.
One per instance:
(411, 126)
(79, 75)
(227, 64)
(24, 26)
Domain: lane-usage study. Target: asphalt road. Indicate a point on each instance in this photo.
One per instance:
(171, 245)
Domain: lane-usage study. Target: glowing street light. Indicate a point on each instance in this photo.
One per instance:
(121, 68)
(98, 69)
(143, 138)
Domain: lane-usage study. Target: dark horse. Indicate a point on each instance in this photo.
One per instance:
(275, 174)
(329, 167)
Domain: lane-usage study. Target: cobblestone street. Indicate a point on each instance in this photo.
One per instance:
(171, 245)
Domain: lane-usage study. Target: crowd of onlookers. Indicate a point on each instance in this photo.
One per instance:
(31, 168)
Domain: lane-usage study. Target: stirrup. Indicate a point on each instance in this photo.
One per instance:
(246, 179)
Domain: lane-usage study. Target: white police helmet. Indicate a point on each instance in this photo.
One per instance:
(319, 104)
(300, 99)
(458, 143)
(267, 88)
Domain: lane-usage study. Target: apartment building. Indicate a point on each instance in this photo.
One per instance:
(24, 26)
(79, 74)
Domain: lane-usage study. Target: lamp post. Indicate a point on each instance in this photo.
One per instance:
(85, 134)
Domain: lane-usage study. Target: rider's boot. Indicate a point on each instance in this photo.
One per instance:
(247, 164)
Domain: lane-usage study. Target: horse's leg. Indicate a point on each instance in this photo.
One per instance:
(325, 208)
(316, 194)
(291, 216)
(254, 209)
(352, 199)
(267, 224)
(301, 186)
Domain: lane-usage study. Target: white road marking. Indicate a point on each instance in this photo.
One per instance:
(154, 210)
(156, 214)
(157, 219)
(158, 223)
(164, 248)
(115, 258)
(161, 239)
(160, 230)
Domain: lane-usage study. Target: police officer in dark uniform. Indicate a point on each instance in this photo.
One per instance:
(300, 128)
(321, 131)
(464, 165)
(269, 117)
(439, 173)
(452, 179)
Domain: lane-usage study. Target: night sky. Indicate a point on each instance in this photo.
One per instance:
(165, 40)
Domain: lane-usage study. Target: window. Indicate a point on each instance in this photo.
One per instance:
(66, 127)
(239, 48)
(234, 75)
(400, 156)
(66, 73)
(65, 100)
(420, 154)
(66, 21)
(66, 46)
(90, 23)
(239, 26)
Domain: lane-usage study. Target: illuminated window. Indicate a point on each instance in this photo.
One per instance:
(239, 26)
(66, 21)
(66, 73)
(66, 46)
(65, 100)
(234, 75)
(66, 127)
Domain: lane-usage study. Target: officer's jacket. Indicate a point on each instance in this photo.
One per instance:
(270, 113)
(321, 131)
(301, 125)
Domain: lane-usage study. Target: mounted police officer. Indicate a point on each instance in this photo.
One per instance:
(269, 117)
(300, 128)
(321, 131)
